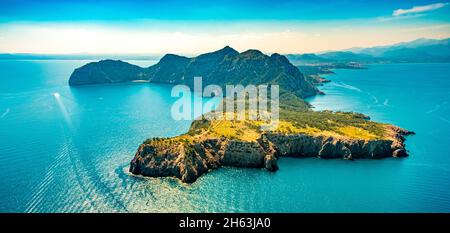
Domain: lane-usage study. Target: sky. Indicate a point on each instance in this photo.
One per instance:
(193, 27)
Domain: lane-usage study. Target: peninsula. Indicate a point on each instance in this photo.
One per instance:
(210, 144)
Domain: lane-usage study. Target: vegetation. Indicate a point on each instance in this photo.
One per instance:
(227, 66)
(346, 125)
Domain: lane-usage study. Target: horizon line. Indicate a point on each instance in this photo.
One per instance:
(196, 54)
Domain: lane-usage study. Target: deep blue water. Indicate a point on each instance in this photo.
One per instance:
(67, 149)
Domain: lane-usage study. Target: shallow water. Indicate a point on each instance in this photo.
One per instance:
(67, 149)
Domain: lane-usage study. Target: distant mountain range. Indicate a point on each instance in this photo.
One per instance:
(420, 50)
(222, 67)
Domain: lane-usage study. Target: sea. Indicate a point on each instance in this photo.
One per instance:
(68, 149)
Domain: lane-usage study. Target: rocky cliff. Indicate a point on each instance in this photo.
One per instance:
(188, 160)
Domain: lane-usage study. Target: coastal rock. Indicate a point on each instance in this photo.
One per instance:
(400, 153)
(189, 160)
(243, 154)
(270, 162)
(327, 147)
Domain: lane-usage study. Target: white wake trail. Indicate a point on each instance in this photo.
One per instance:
(5, 113)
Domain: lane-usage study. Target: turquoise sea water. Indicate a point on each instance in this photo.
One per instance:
(67, 149)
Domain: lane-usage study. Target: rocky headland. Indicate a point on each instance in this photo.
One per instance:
(187, 160)
(210, 144)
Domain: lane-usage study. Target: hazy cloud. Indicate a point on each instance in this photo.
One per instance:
(418, 9)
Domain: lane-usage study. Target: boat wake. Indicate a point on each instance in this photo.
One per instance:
(346, 86)
(5, 113)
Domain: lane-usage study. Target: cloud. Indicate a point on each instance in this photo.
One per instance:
(418, 9)
(391, 18)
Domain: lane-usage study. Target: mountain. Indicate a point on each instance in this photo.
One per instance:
(346, 56)
(307, 58)
(420, 50)
(379, 51)
(222, 67)
(337, 57)
(105, 71)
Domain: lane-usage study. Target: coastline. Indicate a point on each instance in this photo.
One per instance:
(246, 143)
(188, 161)
(309, 181)
(170, 157)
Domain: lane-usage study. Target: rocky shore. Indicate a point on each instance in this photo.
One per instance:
(171, 157)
